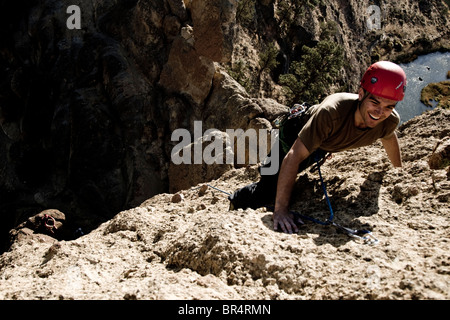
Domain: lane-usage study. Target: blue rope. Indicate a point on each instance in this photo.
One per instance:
(330, 219)
(351, 232)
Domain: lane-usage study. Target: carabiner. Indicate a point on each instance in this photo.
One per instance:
(368, 238)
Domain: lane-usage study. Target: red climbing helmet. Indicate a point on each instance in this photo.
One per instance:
(385, 79)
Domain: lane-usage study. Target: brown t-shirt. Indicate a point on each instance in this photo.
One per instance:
(331, 125)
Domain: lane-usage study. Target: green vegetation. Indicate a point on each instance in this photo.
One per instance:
(439, 92)
(239, 73)
(267, 60)
(245, 12)
(289, 11)
(311, 77)
(318, 69)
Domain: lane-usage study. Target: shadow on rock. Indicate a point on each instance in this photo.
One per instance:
(346, 206)
(365, 203)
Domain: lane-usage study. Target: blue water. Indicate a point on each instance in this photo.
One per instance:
(425, 69)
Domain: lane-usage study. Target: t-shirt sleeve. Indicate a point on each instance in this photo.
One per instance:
(316, 130)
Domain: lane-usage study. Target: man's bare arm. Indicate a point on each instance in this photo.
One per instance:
(286, 180)
(392, 148)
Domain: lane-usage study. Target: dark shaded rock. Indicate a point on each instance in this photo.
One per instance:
(45, 227)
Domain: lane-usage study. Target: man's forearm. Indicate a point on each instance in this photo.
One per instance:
(392, 148)
(286, 180)
(288, 174)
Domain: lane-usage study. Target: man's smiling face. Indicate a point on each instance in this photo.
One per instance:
(373, 110)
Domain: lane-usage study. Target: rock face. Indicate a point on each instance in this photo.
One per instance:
(43, 227)
(441, 154)
(214, 23)
(189, 246)
(187, 73)
(87, 114)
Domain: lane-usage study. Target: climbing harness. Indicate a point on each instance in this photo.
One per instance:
(296, 111)
(289, 124)
(363, 234)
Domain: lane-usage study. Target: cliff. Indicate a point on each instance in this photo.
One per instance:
(87, 116)
(192, 247)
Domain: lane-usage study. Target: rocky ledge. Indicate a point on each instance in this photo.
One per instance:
(188, 245)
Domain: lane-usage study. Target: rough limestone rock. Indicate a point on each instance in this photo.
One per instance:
(194, 248)
(214, 23)
(43, 227)
(86, 115)
(203, 161)
(441, 155)
(86, 118)
(186, 72)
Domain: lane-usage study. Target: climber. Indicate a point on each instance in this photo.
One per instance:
(342, 121)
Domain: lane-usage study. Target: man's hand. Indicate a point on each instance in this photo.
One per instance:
(286, 180)
(286, 221)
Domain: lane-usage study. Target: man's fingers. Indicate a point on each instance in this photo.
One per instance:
(279, 222)
(287, 225)
(293, 226)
